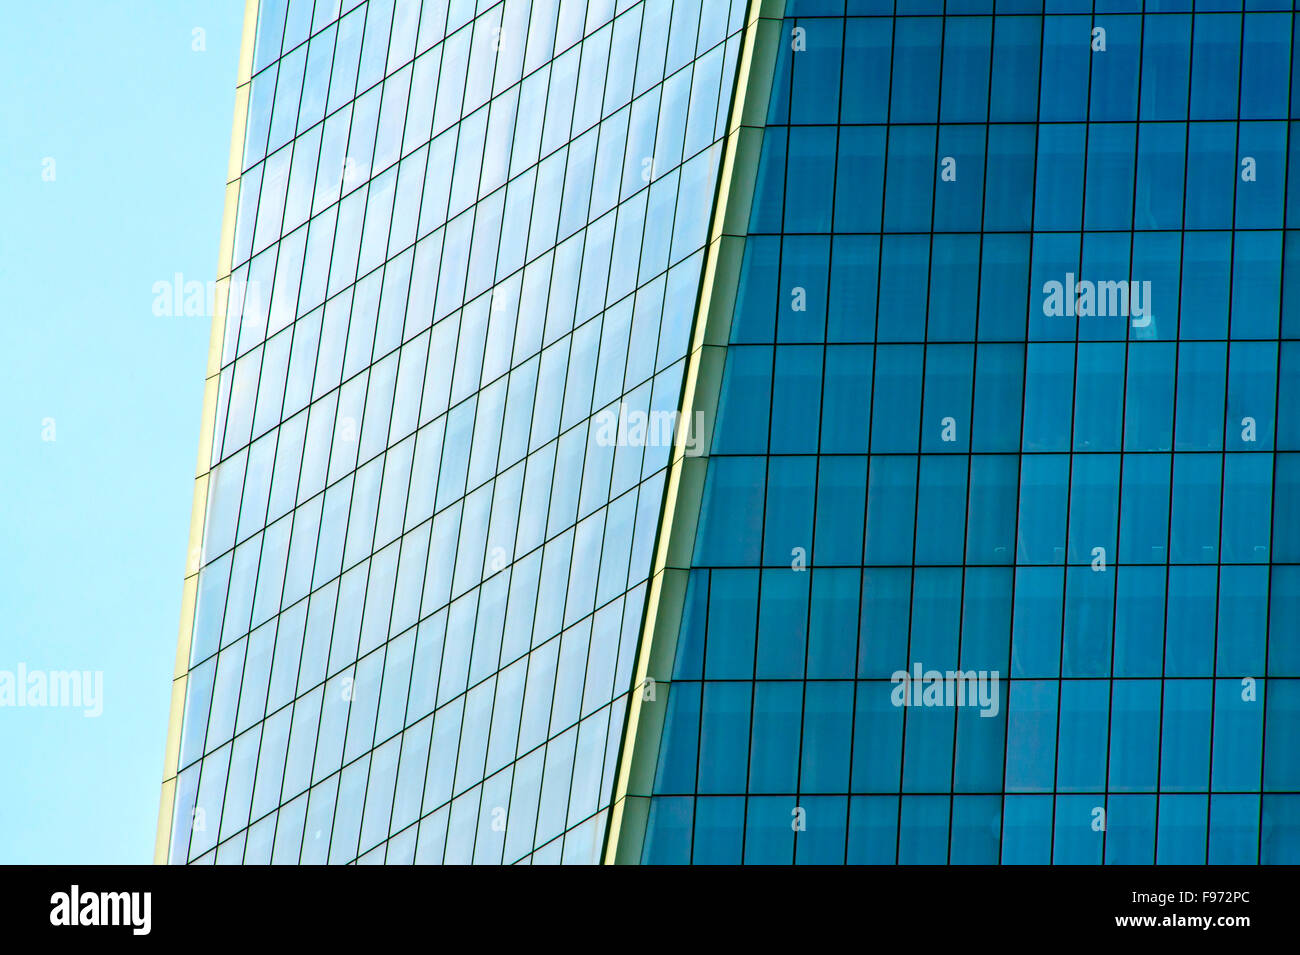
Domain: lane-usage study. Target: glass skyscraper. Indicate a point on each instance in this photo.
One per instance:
(760, 431)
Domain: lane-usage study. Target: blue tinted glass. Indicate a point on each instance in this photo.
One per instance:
(999, 514)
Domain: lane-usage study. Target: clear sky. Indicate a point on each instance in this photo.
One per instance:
(94, 524)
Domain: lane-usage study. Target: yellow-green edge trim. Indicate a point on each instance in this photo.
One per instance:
(684, 488)
(212, 377)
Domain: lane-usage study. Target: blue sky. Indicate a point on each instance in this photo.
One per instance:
(94, 524)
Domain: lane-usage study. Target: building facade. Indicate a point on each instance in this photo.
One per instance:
(761, 432)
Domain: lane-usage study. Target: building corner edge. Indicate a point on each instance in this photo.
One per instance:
(212, 376)
(701, 385)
